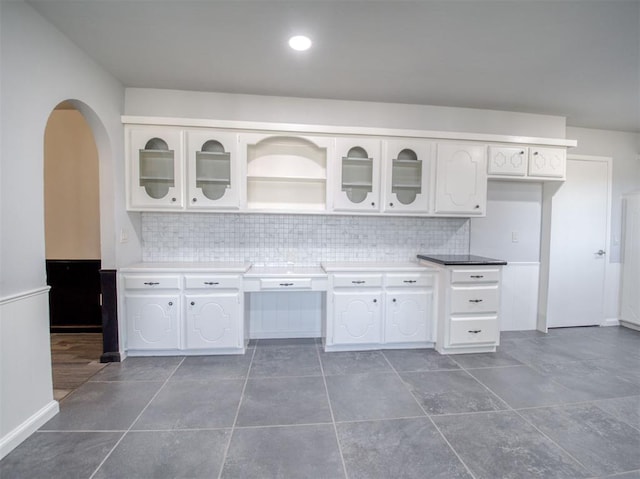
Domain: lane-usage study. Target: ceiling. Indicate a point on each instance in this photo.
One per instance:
(579, 59)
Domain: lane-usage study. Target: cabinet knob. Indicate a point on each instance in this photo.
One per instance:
(477, 207)
(522, 152)
(391, 204)
(535, 152)
(375, 300)
(173, 200)
(193, 200)
(394, 300)
(193, 303)
(170, 303)
(373, 203)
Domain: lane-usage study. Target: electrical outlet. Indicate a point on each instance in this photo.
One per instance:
(515, 237)
(124, 235)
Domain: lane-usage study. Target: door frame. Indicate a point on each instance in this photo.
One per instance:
(548, 191)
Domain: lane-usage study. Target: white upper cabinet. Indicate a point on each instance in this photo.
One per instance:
(547, 162)
(286, 172)
(213, 174)
(155, 169)
(507, 161)
(358, 175)
(407, 171)
(461, 179)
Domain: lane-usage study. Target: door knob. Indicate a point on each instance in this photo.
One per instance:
(601, 252)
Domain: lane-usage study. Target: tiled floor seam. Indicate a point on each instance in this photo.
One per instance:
(333, 418)
(515, 411)
(135, 420)
(235, 419)
(464, 464)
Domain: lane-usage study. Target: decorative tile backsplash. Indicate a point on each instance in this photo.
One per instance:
(277, 239)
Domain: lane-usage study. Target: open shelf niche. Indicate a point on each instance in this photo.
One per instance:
(286, 173)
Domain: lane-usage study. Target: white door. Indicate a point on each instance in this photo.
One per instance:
(356, 317)
(152, 321)
(408, 317)
(578, 245)
(212, 321)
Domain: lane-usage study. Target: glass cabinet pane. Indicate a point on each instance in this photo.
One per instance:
(406, 176)
(213, 170)
(357, 174)
(156, 168)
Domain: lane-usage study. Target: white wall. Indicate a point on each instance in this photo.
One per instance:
(41, 68)
(224, 106)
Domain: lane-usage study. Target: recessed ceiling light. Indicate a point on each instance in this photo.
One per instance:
(300, 43)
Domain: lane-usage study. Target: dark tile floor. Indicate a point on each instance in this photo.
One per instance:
(561, 405)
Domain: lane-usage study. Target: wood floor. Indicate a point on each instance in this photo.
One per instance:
(75, 357)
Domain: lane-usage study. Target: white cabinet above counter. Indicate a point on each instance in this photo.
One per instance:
(175, 164)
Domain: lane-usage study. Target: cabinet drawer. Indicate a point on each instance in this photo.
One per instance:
(473, 330)
(212, 281)
(475, 275)
(409, 280)
(474, 299)
(285, 283)
(357, 281)
(151, 282)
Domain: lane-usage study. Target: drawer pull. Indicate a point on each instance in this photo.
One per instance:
(286, 284)
(410, 281)
(151, 283)
(475, 331)
(211, 283)
(358, 282)
(476, 276)
(475, 301)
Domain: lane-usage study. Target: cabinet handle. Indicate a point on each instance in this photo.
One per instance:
(477, 207)
(170, 303)
(375, 300)
(358, 282)
(151, 283)
(194, 200)
(394, 300)
(373, 203)
(210, 283)
(522, 152)
(173, 200)
(391, 204)
(286, 284)
(476, 276)
(475, 301)
(410, 281)
(475, 331)
(535, 152)
(193, 303)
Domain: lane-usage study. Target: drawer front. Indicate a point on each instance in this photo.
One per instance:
(474, 299)
(475, 275)
(473, 330)
(285, 283)
(357, 280)
(151, 282)
(192, 281)
(414, 280)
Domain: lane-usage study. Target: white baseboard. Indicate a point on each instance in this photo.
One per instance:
(11, 440)
(610, 322)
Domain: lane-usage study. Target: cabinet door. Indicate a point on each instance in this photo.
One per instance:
(507, 161)
(358, 175)
(547, 162)
(156, 164)
(407, 168)
(213, 176)
(356, 317)
(461, 179)
(152, 321)
(213, 321)
(408, 316)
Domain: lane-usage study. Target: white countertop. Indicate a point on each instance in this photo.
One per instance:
(341, 266)
(187, 267)
(285, 271)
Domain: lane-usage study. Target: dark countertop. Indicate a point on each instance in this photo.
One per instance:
(461, 259)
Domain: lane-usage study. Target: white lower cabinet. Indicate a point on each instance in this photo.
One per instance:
(183, 314)
(377, 310)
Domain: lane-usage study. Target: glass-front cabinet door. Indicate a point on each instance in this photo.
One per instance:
(358, 183)
(155, 156)
(212, 170)
(407, 174)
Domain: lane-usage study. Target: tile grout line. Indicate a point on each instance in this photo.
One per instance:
(235, 419)
(333, 418)
(136, 419)
(464, 464)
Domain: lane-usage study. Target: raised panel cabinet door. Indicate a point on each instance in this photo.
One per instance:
(213, 170)
(356, 317)
(547, 162)
(357, 185)
(407, 173)
(461, 179)
(213, 321)
(155, 169)
(408, 316)
(152, 321)
(507, 161)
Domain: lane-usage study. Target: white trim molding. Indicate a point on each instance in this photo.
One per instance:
(10, 441)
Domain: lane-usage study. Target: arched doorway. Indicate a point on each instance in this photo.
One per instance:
(73, 249)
